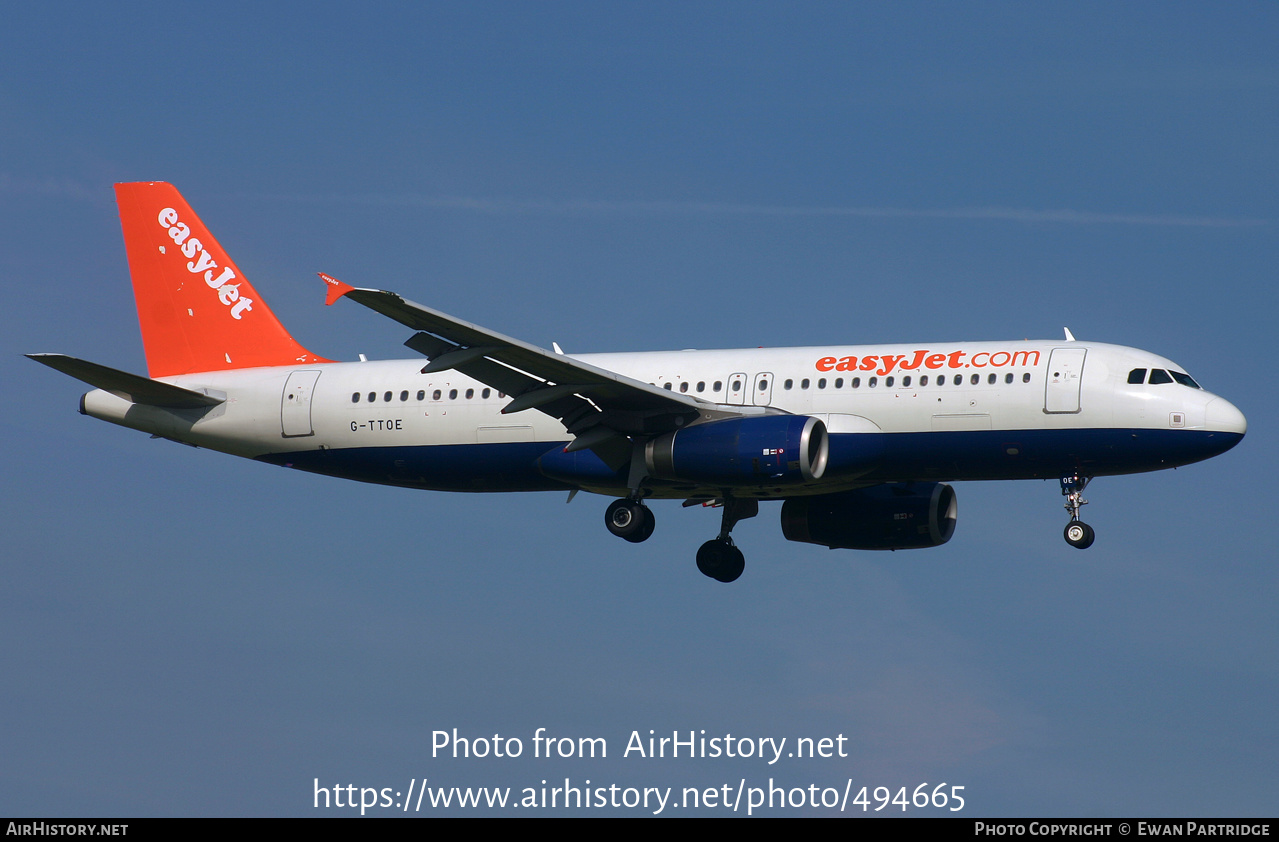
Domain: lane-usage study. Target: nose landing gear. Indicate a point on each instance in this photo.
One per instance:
(1078, 534)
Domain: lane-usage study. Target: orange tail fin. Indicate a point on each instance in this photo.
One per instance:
(196, 309)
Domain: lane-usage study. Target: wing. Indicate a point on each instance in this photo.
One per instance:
(601, 408)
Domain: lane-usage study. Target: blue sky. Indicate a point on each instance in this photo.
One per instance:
(193, 634)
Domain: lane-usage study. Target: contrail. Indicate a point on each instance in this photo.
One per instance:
(570, 206)
(75, 189)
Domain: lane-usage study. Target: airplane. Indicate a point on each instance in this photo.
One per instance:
(858, 443)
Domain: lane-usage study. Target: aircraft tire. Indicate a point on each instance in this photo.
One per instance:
(628, 519)
(1079, 535)
(720, 560)
(646, 530)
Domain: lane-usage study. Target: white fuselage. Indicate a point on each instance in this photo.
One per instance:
(1009, 410)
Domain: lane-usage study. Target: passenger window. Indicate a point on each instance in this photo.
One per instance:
(666, 386)
(873, 382)
(991, 379)
(821, 383)
(923, 381)
(803, 384)
(788, 385)
(856, 383)
(701, 385)
(906, 380)
(436, 395)
(683, 387)
(959, 379)
(888, 382)
(355, 398)
(975, 379)
(404, 395)
(1137, 376)
(421, 394)
(1008, 378)
(470, 393)
(1158, 376)
(387, 397)
(717, 386)
(1025, 378)
(372, 397)
(839, 382)
(485, 394)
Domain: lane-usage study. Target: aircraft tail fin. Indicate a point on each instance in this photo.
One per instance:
(197, 310)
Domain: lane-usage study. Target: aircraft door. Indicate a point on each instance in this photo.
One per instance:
(295, 404)
(1065, 375)
(737, 388)
(762, 394)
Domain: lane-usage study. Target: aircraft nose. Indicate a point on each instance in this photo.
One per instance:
(1221, 416)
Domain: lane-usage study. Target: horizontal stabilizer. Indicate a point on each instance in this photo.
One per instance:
(122, 384)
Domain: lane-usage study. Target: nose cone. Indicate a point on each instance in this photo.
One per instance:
(1221, 416)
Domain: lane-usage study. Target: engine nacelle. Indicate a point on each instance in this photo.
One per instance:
(766, 450)
(893, 516)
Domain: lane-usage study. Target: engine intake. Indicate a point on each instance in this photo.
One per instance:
(893, 516)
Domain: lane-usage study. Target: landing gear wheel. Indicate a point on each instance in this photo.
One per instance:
(646, 529)
(630, 520)
(720, 560)
(1079, 535)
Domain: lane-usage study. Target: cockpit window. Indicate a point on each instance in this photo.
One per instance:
(1185, 379)
(1137, 376)
(1158, 375)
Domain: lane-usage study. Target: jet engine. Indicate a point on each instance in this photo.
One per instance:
(893, 516)
(767, 450)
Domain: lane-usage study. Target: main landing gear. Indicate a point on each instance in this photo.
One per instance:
(719, 558)
(630, 519)
(1078, 534)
